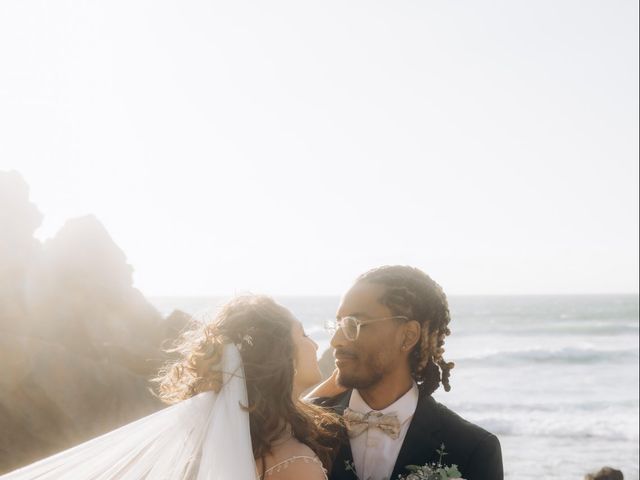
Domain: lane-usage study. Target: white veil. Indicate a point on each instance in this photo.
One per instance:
(206, 437)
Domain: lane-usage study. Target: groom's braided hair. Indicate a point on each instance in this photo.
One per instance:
(262, 330)
(412, 293)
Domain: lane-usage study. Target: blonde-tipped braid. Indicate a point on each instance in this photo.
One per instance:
(427, 361)
(422, 350)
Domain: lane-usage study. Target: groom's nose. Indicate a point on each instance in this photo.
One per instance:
(338, 339)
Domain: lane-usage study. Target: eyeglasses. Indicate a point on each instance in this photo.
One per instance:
(350, 325)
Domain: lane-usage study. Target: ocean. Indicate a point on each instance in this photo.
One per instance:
(554, 377)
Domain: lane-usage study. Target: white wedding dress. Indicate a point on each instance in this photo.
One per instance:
(206, 437)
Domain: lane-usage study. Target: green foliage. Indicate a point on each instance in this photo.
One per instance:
(428, 471)
(433, 471)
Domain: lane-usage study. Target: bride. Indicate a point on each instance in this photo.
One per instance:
(234, 389)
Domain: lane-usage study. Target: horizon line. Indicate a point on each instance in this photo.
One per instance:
(219, 295)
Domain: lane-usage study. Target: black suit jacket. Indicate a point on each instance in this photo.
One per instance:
(475, 451)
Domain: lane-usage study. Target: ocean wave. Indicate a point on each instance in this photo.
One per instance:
(561, 355)
(595, 329)
(573, 427)
(556, 407)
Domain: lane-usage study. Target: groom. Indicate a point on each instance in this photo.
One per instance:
(389, 346)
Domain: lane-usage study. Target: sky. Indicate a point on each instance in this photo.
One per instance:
(285, 147)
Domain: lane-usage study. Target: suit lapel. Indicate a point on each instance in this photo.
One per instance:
(419, 444)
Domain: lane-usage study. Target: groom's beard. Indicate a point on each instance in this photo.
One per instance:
(359, 373)
(358, 382)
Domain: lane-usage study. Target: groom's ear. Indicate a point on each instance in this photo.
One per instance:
(412, 330)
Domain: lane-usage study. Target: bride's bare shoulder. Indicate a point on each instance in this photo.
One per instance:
(292, 460)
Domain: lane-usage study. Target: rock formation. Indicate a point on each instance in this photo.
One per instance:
(19, 218)
(78, 343)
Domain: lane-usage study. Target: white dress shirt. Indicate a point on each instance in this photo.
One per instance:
(375, 452)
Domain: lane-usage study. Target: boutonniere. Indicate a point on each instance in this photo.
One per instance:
(349, 466)
(433, 471)
(429, 471)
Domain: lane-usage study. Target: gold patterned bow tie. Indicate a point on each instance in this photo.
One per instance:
(358, 422)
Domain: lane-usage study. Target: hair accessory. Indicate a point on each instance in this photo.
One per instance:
(248, 339)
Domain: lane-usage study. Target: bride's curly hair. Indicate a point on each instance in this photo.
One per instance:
(412, 293)
(262, 330)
